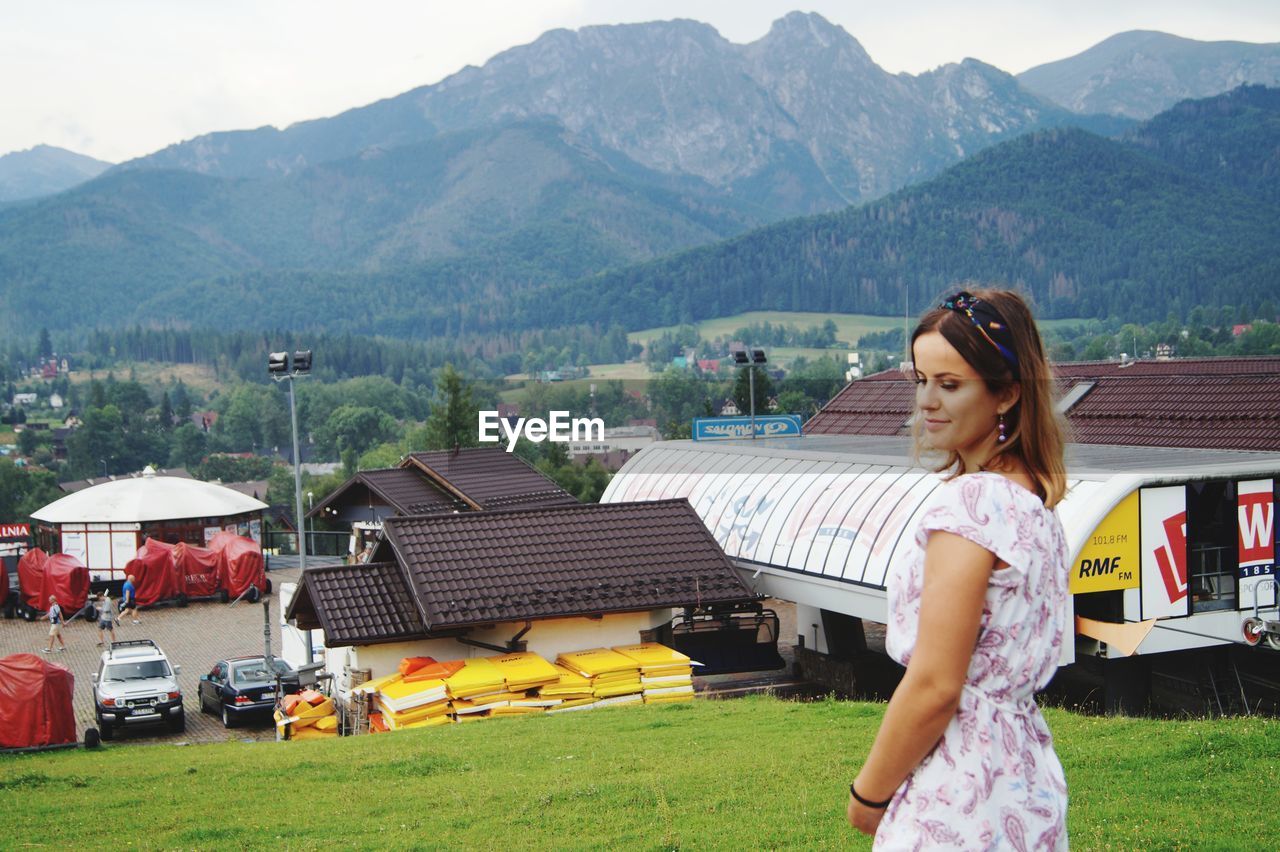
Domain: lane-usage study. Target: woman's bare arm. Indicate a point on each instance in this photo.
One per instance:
(956, 573)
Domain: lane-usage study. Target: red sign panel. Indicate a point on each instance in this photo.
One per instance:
(15, 531)
(1171, 556)
(1255, 509)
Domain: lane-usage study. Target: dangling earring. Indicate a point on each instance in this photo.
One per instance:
(1002, 437)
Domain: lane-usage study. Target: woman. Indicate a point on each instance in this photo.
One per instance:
(963, 758)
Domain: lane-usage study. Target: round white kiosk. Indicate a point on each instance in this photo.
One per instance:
(103, 526)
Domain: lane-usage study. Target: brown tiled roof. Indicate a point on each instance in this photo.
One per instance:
(876, 405)
(1238, 412)
(1171, 367)
(490, 478)
(1209, 403)
(487, 567)
(356, 604)
(407, 491)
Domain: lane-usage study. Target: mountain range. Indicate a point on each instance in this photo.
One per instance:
(44, 170)
(800, 121)
(1180, 213)
(1140, 73)
(448, 207)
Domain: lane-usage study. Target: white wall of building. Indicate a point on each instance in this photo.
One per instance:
(633, 439)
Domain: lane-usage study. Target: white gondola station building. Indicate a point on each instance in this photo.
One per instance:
(103, 526)
(1171, 549)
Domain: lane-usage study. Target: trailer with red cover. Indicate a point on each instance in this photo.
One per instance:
(243, 570)
(31, 582)
(35, 702)
(67, 579)
(155, 574)
(201, 569)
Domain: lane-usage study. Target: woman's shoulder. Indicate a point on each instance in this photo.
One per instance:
(983, 495)
(989, 484)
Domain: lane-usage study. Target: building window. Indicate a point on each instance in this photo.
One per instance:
(1212, 552)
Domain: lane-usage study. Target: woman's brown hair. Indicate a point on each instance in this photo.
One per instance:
(1035, 432)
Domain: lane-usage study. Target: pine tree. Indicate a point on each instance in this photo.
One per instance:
(166, 412)
(452, 422)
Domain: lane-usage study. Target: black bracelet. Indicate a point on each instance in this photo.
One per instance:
(867, 802)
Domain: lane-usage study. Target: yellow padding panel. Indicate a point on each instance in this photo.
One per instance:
(478, 676)
(433, 722)
(617, 689)
(525, 669)
(596, 661)
(651, 654)
(328, 723)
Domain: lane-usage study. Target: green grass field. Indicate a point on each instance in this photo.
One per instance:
(849, 327)
(748, 773)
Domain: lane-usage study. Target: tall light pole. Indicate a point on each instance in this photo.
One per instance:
(279, 367)
(751, 360)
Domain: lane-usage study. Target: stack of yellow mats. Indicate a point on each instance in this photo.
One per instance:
(404, 703)
(571, 692)
(615, 679)
(525, 673)
(307, 716)
(372, 687)
(665, 673)
(482, 704)
(478, 687)
(525, 670)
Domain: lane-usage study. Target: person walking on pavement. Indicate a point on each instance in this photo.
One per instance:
(129, 599)
(55, 625)
(107, 618)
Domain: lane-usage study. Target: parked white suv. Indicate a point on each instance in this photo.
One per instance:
(134, 686)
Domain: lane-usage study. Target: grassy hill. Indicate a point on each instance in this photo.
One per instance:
(750, 773)
(849, 327)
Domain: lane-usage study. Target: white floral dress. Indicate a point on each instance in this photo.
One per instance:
(993, 780)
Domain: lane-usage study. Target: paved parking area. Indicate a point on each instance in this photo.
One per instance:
(204, 632)
(194, 638)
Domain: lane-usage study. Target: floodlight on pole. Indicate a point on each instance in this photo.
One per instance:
(278, 365)
(750, 359)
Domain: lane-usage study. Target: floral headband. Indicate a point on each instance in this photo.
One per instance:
(989, 322)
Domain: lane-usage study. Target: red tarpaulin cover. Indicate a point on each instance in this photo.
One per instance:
(31, 578)
(201, 569)
(35, 702)
(241, 563)
(155, 575)
(66, 578)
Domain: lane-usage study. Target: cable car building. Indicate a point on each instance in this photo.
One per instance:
(1171, 549)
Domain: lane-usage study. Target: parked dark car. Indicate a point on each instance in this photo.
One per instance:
(242, 687)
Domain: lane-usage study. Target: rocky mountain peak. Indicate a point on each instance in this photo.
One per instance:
(806, 33)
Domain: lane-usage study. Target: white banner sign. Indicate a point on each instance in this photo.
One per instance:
(1256, 513)
(1164, 551)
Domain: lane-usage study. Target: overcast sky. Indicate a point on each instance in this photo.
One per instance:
(120, 78)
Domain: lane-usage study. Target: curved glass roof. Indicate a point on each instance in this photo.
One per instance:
(837, 508)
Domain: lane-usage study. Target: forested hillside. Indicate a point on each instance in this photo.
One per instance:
(1232, 140)
(462, 216)
(1088, 226)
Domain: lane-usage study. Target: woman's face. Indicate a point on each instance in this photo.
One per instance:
(958, 410)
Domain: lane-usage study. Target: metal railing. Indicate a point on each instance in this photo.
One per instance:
(319, 543)
(1212, 586)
